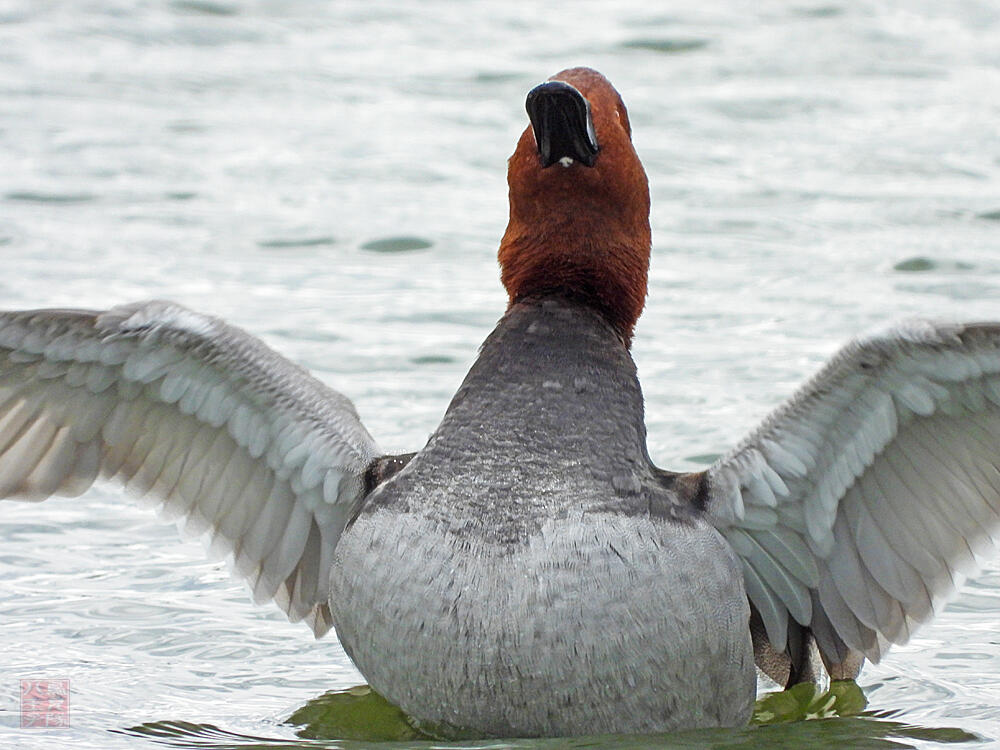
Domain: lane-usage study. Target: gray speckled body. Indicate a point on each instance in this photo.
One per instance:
(530, 572)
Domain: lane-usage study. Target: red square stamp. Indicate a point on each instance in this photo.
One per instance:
(44, 703)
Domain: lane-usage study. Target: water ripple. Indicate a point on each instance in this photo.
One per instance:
(330, 175)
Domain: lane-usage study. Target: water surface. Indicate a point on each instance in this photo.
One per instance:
(331, 177)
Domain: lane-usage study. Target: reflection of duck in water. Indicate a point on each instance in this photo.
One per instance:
(530, 572)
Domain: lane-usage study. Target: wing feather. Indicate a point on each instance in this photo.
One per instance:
(892, 571)
(890, 460)
(52, 466)
(217, 429)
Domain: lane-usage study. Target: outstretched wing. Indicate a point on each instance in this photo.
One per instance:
(197, 414)
(859, 505)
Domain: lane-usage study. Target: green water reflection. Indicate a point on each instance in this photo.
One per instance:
(359, 717)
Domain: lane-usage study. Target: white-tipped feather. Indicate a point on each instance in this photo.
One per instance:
(15, 416)
(235, 473)
(239, 424)
(787, 547)
(775, 481)
(771, 609)
(172, 387)
(349, 489)
(306, 592)
(913, 397)
(148, 363)
(297, 452)
(189, 442)
(784, 462)
(761, 491)
(846, 623)
(793, 594)
(115, 352)
(125, 422)
(153, 465)
(78, 373)
(889, 569)
(195, 395)
(972, 509)
(138, 451)
(53, 466)
(89, 413)
(86, 468)
(283, 558)
(258, 439)
(243, 506)
(314, 467)
(264, 532)
(900, 532)
(34, 340)
(332, 486)
(21, 457)
(758, 517)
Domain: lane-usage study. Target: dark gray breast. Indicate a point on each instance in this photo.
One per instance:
(548, 422)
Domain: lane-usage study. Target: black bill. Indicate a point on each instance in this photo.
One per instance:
(564, 129)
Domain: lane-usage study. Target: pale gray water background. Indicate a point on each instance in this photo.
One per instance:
(816, 168)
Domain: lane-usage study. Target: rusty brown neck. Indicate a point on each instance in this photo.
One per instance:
(583, 253)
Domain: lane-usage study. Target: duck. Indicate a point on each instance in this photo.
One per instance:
(530, 571)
